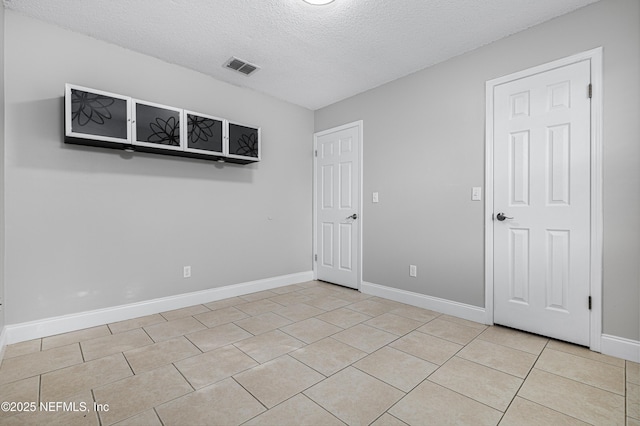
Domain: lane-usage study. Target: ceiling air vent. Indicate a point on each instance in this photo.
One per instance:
(241, 66)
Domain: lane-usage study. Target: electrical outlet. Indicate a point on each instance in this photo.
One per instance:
(186, 272)
(413, 271)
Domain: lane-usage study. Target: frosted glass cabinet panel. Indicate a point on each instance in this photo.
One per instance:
(244, 142)
(157, 126)
(96, 115)
(205, 133)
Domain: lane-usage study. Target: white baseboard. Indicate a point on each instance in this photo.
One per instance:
(63, 324)
(620, 347)
(461, 310)
(3, 342)
(15, 333)
(610, 345)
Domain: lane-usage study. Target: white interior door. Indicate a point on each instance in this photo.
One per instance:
(337, 181)
(542, 190)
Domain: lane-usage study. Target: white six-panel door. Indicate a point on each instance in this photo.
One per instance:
(541, 185)
(337, 205)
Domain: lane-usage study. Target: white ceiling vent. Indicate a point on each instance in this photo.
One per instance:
(241, 66)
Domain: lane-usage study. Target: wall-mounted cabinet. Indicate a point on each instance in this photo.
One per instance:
(98, 118)
(205, 134)
(96, 115)
(243, 142)
(157, 126)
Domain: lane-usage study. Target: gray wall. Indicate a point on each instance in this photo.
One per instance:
(424, 150)
(89, 229)
(2, 165)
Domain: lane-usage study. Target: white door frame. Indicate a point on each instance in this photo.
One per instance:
(595, 56)
(359, 124)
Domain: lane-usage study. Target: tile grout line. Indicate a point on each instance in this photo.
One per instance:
(315, 369)
(93, 395)
(129, 364)
(193, 316)
(183, 376)
(553, 409)
(566, 378)
(39, 389)
(163, 402)
(81, 352)
(626, 393)
(584, 357)
(468, 397)
(259, 363)
(506, 346)
(437, 337)
(148, 335)
(157, 415)
(489, 367)
(465, 396)
(581, 382)
(377, 378)
(427, 378)
(515, 395)
(248, 391)
(288, 399)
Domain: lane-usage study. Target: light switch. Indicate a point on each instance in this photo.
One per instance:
(413, 271)
(375, 197)
(476, 193)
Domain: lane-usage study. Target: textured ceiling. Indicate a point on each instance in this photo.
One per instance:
(309, 55)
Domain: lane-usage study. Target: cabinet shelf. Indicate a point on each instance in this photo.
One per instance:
(108, 120)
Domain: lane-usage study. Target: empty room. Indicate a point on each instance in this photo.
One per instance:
(320, 212)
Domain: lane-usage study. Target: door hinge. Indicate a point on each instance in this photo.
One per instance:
(589, 302)
(315, 257)
(316, 153)
(590, 91)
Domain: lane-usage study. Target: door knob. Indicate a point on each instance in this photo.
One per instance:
(353, 216)
(501, 217)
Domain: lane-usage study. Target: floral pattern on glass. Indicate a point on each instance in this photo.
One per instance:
(199, 128)
(248, 145)
(90, 107)
(165, 132)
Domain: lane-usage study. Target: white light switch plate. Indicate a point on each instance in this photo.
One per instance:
(476, 193)
(413, 271)
(375, 197)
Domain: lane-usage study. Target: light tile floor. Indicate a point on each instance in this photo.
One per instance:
(314, 354)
